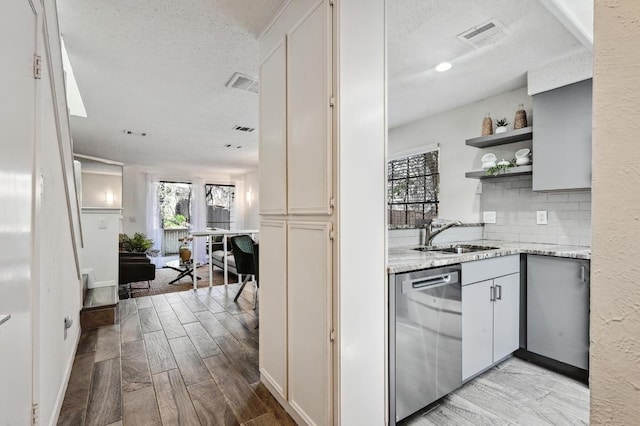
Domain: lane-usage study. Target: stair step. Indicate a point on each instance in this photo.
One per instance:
(99, 307)
(101, 297)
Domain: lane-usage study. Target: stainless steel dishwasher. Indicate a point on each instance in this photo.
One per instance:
(425, 338)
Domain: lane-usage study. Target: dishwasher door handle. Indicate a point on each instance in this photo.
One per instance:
(429, 282)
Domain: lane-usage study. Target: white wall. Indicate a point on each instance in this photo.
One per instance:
(134, 192)
(96, 185)
(251, 214)
(361, 211)
(450, 129)
(100, 229)
(60, 287)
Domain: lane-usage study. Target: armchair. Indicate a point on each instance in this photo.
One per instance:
(135, 267)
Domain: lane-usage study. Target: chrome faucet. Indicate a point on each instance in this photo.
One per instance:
(429, 233)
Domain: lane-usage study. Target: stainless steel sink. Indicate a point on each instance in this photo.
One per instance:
(456, 249)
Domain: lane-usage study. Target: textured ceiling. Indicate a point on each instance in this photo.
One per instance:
(160, 67)
(422, 33)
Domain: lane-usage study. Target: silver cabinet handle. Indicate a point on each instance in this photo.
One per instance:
(492, 293)
(583, 273)
(4, 318)
(499, 296)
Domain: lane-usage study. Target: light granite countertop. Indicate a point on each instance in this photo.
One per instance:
(403, 259)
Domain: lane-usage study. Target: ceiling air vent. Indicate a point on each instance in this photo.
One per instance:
(243, 82)
(483, 35)
(244, 129)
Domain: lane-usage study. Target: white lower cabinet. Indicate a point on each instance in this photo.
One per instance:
(309, 320)
(273, 305)
(490, 314)
(295, 316)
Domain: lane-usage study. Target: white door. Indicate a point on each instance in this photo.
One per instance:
(506, 316)
(309, 149)
(273, 305)
(17, 121)
(273, 132)
(309, 321)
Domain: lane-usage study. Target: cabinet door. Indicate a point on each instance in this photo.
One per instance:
(273, 304)
(273, 132)
(506, 316)
(562, 138)
(309, 304)
(477, 328)
(309, 148)
(558, 309)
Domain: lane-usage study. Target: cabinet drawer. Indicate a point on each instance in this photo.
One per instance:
(486, 269)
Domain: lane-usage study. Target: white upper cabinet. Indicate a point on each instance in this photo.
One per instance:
(273, 132)
(309, 86)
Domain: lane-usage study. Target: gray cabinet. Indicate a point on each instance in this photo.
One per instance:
(490, 312)
(562, 138)
(558, 309)
(477, 328)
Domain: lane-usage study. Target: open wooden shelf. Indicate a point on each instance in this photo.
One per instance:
(514, 171)
(511, 136)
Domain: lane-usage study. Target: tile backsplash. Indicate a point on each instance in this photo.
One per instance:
(515, 204)
(413, 237)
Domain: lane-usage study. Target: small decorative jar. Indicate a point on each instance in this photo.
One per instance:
(487, 125)
(520, 122)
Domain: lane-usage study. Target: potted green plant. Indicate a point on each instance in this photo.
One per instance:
(500, 168)
(139, 243)
(501, 125)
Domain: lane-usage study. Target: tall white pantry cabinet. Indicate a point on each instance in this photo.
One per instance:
(297, 217)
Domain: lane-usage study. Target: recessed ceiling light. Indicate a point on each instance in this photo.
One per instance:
(444, 66)
(244, 128)
(134, 133)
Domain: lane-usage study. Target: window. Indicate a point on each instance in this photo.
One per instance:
(220, 206)
(175, 204)
(412, 189)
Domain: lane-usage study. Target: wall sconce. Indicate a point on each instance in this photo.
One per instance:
(249, 197)
(108, 197)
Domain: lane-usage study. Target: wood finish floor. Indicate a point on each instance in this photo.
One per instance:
(515, 392)
(188, 358)
(191, 358)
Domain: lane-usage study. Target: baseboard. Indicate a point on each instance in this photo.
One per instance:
(102, 284)
(274, 386)
(67, 375)
(553, 365)
(285, 404)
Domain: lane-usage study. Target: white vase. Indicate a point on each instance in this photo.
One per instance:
(501, 129)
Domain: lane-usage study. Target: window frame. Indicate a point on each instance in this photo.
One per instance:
(407, 155)
(232, 204)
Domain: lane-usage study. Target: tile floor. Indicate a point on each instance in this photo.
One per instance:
(187, 358)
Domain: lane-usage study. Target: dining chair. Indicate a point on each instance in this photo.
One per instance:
(245, 252)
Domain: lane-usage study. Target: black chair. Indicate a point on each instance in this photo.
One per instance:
(245, 252)
(135, 267)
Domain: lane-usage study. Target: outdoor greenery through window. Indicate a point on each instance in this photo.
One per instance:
(220, 205)
(412, 189)
(175, 204)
